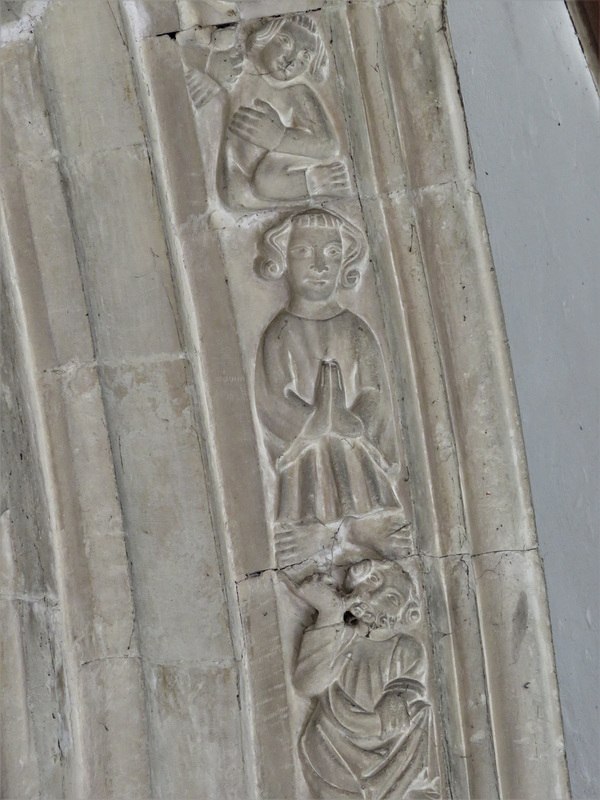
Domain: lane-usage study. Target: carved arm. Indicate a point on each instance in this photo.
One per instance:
(320, 660)
(280, 409)
(314, 135)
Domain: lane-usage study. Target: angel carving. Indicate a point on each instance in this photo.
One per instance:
(279, 144)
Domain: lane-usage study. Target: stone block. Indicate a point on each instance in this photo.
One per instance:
(125, 269)
(24, 128)
(88, 78)
(114, 729)
(520, 672)
(375, 92)
(88, 529)
(179, 597)
(427, 428)
(207, 12)
(426, 99)
(40, 246)
(151, 17)
(196, 739)
(461, 281)
(175, 132)
(450, 590)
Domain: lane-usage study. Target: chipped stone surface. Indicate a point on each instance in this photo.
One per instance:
(257, 372)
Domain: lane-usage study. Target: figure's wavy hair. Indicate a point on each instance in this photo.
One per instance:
(262, 36)
(271, 261)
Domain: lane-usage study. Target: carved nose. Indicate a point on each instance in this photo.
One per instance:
(320, 265)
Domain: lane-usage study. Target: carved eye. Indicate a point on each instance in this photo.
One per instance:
(333, 250)
(285, 40)
(304, 55)
(301, 251)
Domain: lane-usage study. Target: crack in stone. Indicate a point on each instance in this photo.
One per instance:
(109, 658)
(463, 557)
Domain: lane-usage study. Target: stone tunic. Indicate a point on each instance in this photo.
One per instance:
(346, 748)
(336, 473)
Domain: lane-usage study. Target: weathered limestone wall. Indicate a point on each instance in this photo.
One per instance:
(266, 527)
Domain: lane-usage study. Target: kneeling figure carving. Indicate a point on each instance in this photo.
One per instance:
(370, 733)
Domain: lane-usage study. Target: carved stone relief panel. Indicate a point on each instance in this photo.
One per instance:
(317, 197)
(280, 150)
(328, 425)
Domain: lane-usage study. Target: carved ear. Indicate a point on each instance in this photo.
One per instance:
(411, 613)
(270, 262)
(350, 277)
(320, 63)
(355, 253)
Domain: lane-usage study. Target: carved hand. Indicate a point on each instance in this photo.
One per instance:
(319, 591)
(393, 713)
(325, 180)
(330, 414)
(260, 125)
(225, 66)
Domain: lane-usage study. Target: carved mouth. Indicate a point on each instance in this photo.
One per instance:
(316, 281)
(375, 620)
(285, 67)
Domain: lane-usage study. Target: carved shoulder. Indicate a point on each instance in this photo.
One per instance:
(360, 327)
(409, 658)
(366, 346)
(276, 333)
(309, 112)
(272, 365)
(300, 94)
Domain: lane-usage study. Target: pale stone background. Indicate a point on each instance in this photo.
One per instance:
(534, 121)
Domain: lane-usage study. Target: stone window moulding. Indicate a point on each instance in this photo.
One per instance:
(340, 336)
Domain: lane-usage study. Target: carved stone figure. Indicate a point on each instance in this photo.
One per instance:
(321, 389)
(279, 144)
(370, 732)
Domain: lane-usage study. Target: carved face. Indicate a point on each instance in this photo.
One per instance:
(314, 261)
(289, 53)
(380, 603)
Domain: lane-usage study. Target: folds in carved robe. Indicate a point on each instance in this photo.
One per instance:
(349, 749)
(323, 399)
(334, 477)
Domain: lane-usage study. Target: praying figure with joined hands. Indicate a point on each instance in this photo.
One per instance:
(322, 394)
